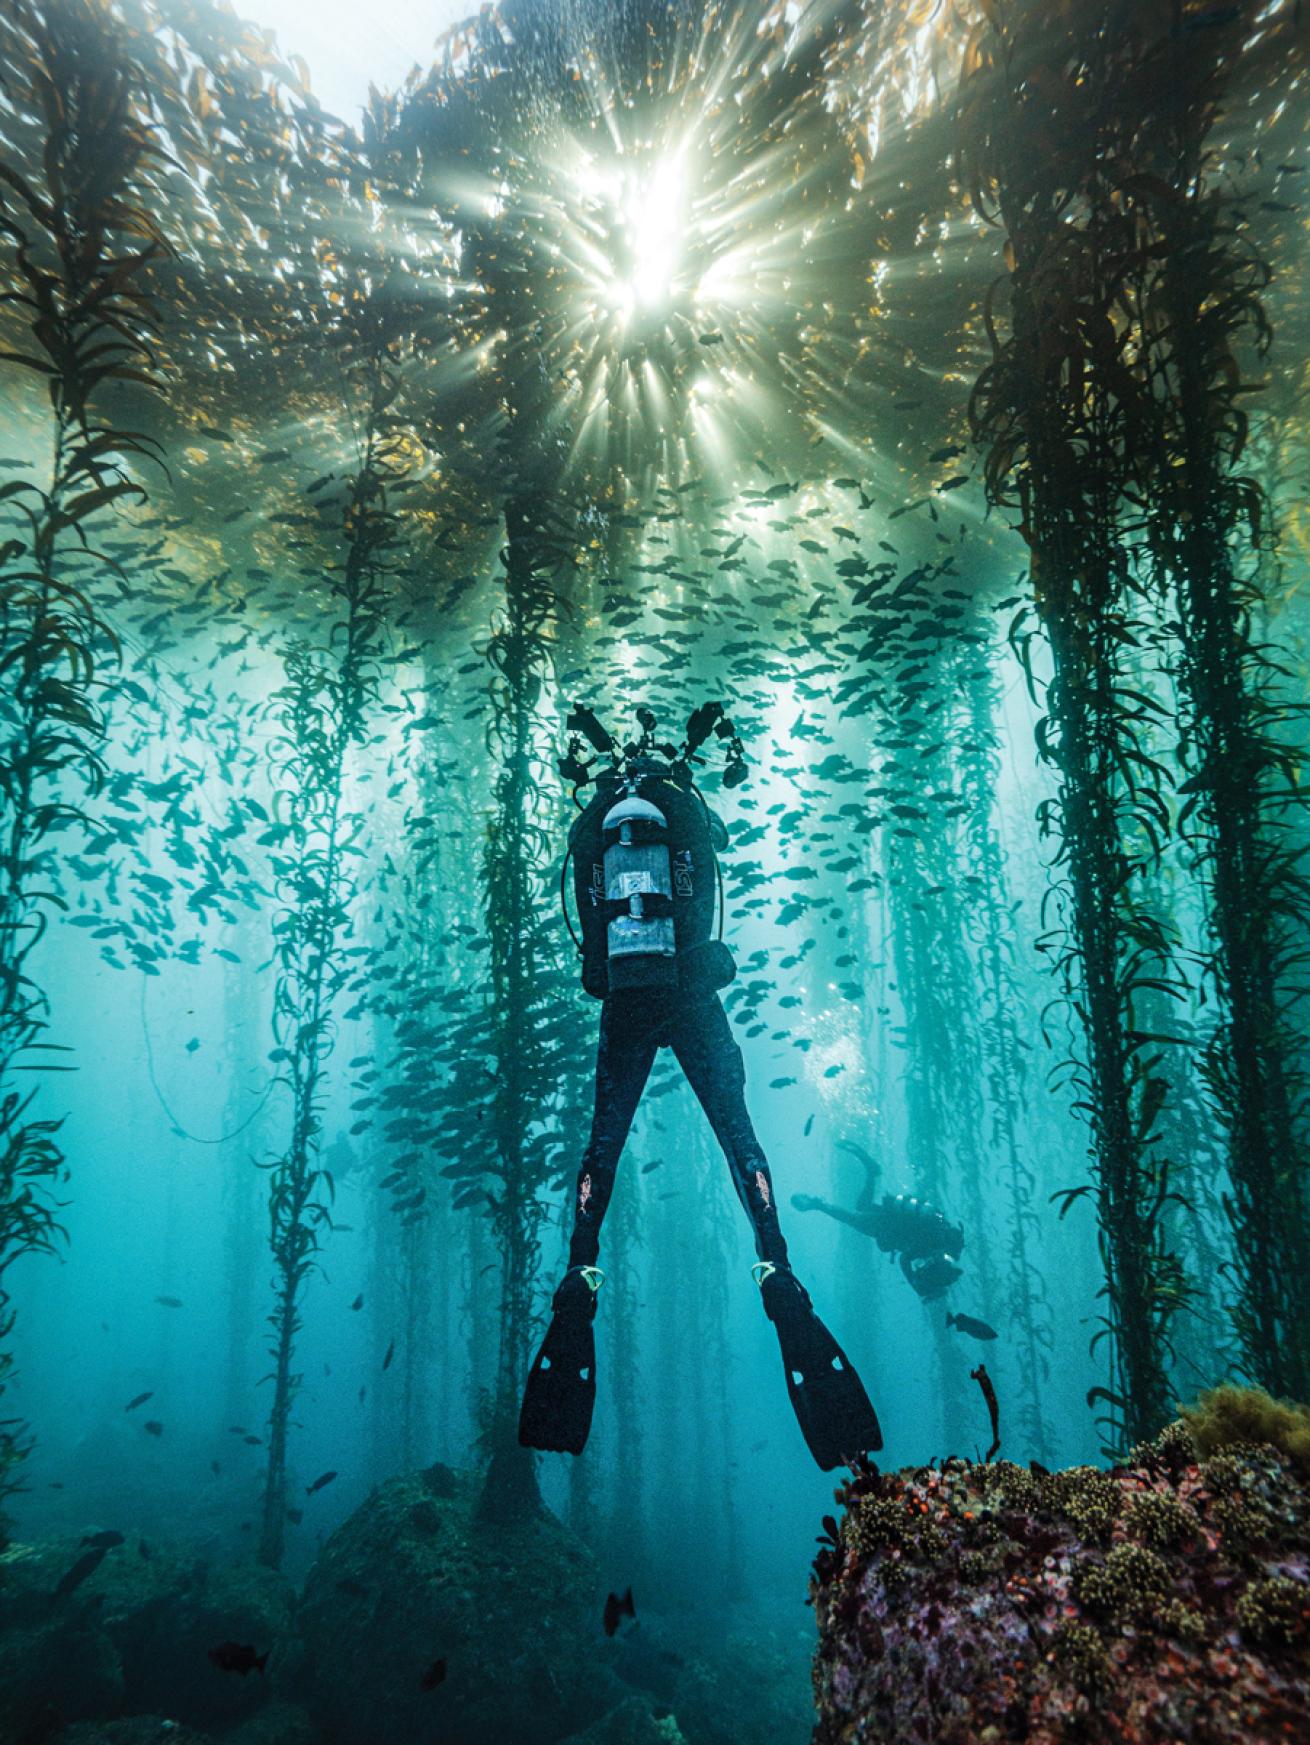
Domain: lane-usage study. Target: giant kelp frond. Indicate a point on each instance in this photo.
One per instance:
(77, 230)
(323, 712)
(1065, 422)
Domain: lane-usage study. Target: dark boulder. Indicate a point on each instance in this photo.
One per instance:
(420, 1575)
(132, 1637)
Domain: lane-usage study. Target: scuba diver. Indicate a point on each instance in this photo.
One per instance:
(645, 875)
(925, 1241)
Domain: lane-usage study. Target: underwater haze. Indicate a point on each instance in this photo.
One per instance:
(924, 383)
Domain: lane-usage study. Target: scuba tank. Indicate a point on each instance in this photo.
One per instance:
(645, 876)
(638, 883)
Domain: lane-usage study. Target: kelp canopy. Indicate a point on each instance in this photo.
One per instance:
(922, 378)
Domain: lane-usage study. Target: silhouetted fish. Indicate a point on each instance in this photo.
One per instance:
(322, 1479)
(435, 1675)
(967, 1324)
(170, 1302)
(239, 1657)
(153, 1427)
(616, 1608)
(140, 1400)
(106, 1540)
(391, 1352)
(358, 1302)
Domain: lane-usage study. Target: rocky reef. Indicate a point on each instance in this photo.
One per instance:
(424, 1617)
(1162, 1600)
(415, 1578)
(130, 1639)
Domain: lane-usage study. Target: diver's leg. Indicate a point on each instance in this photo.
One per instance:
(560, 1393)
(629, 1040)
(831, 1406)
(708, 1053)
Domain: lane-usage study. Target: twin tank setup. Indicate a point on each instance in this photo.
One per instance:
(643, 854)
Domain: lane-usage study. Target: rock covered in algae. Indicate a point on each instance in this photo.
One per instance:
(416, 1577)
(1164, 1600)
(131, 1638)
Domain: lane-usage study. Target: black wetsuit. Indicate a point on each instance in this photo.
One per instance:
(634, 1026)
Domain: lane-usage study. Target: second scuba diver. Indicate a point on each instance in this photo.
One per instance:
(645, 872)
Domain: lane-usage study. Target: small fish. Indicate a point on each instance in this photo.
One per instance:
(85, 1565)
(145, 1550)
(1038, 1470)
(806, 1130)
(984, 1381)
(239, 1657)
(295, 1516)
(646, 1168)
(715, 338)
(358, 1302)
(106, 1540)
(170, 1302)
(435, 1675)
(253, 1441)
(140, 1400)
(322, 1479)
(391, 1352)
(616, 1608)
(974, 1328)
(153, 1427)
(215, 1468)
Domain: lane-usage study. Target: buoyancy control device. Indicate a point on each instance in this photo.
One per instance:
(645, 876)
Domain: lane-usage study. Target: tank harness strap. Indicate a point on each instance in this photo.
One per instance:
(655, 905)
(564, 900)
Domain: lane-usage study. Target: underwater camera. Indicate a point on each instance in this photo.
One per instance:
(710, 718)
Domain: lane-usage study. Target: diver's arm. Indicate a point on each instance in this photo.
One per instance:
(809, 1203)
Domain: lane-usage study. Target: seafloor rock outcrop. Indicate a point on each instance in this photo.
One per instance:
(131, 1638)
(1163, 1600)
(132, 1730)
(414, 1578)
(634, 1722)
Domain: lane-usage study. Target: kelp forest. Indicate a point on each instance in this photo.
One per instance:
(892, 415)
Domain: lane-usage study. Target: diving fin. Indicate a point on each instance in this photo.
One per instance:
(827, 1396)
(561, 1390)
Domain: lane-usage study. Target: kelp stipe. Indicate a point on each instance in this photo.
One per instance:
(77, 230)
(1005, 1047)
(1207, 523)
(323, 711)
(1044, 103)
